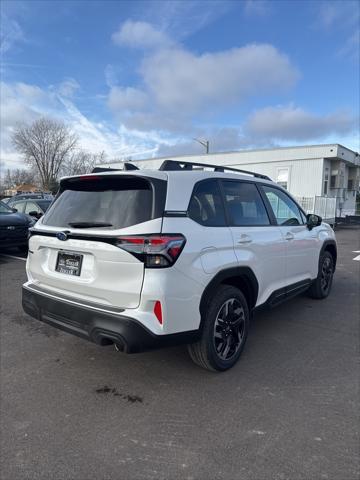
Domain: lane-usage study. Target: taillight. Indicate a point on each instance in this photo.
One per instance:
(156, 251)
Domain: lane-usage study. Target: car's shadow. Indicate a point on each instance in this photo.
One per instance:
(278, 338)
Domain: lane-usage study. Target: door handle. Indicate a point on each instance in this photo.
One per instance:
(244, 239)
(289, 236)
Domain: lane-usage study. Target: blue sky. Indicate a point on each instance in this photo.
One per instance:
(143, 78)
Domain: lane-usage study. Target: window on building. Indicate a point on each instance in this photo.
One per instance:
(332, 181)
(326, 181)
(350, 184)
(282, 178)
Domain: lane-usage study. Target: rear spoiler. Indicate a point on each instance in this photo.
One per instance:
(127, 166)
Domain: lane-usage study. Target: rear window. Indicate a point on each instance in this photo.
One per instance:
(111, 202)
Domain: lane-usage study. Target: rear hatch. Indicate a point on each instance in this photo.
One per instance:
(74, 248)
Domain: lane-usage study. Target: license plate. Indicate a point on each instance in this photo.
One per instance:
(69, 263)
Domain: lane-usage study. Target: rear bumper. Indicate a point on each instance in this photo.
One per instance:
(98, 326)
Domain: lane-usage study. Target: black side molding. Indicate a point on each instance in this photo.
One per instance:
(282, 294)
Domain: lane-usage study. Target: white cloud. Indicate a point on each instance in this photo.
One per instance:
(11, 34)
(23, 103)
(291, 123)
(68, 87)
(176, 85)
(127, 98)
(342, 19)
(183, 18)
(140, 35)
(220, 140)
(181, 80)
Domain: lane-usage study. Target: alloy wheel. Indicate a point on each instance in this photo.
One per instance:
(229, 329)
(326, 274)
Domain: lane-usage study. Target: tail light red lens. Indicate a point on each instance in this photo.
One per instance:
(156, 251)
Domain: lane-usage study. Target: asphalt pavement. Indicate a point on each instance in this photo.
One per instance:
(288, 410)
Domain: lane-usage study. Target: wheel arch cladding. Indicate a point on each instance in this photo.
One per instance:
(330, 246)
(242, 278)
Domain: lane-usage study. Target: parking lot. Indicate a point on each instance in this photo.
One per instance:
(288, 410)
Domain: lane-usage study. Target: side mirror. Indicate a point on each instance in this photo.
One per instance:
(35, 214)
(14, 210)
(313, 220)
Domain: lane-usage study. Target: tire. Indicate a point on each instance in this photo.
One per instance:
(322, 285)
(224, 331)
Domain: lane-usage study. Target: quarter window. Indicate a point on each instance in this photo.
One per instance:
(244, 204)
(206, 205)
(285, 210)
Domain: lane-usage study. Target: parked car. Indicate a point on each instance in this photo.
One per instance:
(34, 208)
(14, 227)
(30, 196)
(143, 259)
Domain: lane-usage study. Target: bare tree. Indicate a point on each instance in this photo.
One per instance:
(45, 144)
(18, 176)
(81, 161)
(7, 181)
(22, 175)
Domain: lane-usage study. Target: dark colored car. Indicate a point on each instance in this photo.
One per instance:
(14, 227)
(29, 196)
(33, 207)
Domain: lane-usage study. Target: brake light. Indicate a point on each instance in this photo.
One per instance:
(156, 251)
(84, 178)
(158, 311)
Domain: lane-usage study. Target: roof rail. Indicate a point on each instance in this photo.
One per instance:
(127, 166)
(173, 165)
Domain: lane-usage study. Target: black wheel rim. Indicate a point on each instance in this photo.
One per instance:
(326, 274)
(229, 329)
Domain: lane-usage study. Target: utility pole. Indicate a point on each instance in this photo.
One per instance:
(204, 143)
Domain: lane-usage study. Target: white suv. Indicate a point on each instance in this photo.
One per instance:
(183, 254)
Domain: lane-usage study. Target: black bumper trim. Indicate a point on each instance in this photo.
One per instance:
(97, 326)
(67, 299)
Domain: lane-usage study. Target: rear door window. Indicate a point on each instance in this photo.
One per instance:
(111, 202)
(206, 206)
(244, 204)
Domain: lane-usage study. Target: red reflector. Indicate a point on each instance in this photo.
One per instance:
(158, 311)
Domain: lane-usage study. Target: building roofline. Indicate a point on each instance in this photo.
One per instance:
(185, 155)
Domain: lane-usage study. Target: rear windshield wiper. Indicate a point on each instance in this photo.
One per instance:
(89, 224)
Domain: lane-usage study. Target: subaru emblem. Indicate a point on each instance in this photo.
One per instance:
(61, 236)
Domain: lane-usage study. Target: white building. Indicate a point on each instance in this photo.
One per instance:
(315, 174)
